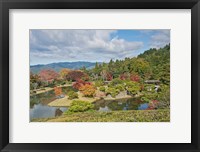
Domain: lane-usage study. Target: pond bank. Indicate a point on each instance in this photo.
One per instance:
(47, 89)
(65, 102)
(161, 115)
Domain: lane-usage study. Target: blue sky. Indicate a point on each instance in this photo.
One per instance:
(48, 46)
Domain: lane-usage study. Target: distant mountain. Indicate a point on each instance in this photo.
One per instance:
(58, 66)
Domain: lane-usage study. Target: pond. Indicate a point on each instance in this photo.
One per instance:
(120, 104)
(39, 105)
(44, 111)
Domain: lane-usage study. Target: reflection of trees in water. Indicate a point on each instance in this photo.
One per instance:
(58, 112)
(116, 106)
(43, 98)
(120, 104)
(134, 104)
(46, 97)
(99, 103)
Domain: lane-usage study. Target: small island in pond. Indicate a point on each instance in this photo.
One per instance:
(100, 76)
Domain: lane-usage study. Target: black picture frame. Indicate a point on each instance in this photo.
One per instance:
(5, 5)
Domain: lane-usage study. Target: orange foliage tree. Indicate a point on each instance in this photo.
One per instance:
(88, 90)
(79, 83)
(57, 91)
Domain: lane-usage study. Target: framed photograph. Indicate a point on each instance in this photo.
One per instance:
(99, 75)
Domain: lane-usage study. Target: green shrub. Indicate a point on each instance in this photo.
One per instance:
(164, 98)
(63, 83)
(145, 99)
(98, 83)
(116, 81)
(103, 89)
(132, 87)
(149, 87)
(112, 91)
(120, 87)
(80, 106)
(52, 85)
(72, 95)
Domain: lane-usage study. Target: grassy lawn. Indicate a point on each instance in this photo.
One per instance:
(162, 115)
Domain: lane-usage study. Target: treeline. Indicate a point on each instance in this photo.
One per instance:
(153, 64)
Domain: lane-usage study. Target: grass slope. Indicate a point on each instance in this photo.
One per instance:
(162, 115)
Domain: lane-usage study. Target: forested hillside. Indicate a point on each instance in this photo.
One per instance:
(152, 64)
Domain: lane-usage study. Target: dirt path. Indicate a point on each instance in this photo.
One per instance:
(46, 89)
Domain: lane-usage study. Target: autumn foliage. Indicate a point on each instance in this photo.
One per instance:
(109, 76)
(88, 90)
(79, 83)
(123, 76)
(153, 104)
(75, 75)
(57, 91)
(48, 75)
(135, 77)
(64, 72)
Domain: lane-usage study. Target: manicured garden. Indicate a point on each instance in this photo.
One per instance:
(146, 77)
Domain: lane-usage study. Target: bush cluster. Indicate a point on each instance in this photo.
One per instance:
(80, 106)
(112, 91)
(72, 95)
(98, 83)
(102, 88)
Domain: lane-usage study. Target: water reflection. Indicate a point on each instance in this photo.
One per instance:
(39, 105)
(120, 104)
(143, 106)
(44, 111)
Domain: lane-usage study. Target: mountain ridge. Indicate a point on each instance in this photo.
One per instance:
(59, 65)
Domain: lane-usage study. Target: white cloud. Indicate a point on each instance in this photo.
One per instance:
(160, 38)
(79, 45)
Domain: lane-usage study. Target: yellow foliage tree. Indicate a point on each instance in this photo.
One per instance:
(64, 73)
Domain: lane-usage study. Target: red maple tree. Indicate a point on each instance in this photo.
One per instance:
(48, 75)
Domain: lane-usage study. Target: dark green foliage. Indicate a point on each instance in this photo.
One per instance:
(159, 61)
(80, 106)
(68, 89)
(72, 95)
(145, 99)
(52, 85)
(115, 82)
(132, 87)
(164, 97)
(152, 64)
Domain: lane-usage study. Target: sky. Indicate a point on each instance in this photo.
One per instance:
(50, 46)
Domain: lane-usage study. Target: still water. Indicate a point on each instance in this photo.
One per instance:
(120, 104)
(39, 105)
(44, 111)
